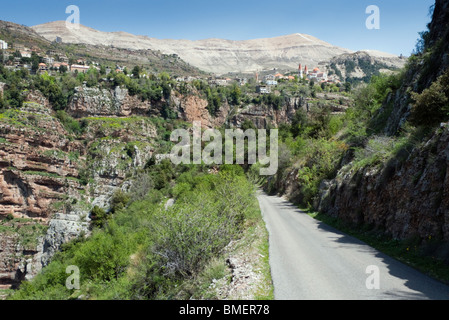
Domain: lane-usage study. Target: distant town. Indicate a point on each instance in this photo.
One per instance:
(52, 61)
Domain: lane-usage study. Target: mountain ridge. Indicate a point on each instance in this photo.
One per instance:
(214, 55)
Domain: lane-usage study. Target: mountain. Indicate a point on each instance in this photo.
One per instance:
(211, 55)
(16, 33)
(22, 36)
(362, 65)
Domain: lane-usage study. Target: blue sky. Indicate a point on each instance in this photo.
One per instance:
(339, 22)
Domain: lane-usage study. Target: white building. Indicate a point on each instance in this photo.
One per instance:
(3, 45)
(317, 75)
(48, 60)
(263, 89)
(25, 54)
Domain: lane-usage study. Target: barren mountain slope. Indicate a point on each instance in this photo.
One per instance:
(211, 55)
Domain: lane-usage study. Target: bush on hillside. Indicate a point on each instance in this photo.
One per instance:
(432, 105)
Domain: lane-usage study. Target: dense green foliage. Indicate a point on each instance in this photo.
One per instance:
(432, 105)
(314, 144)
(144, 248)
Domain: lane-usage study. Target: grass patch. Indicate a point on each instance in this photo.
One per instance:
(4, 293)
(265, 290)
(43, 174)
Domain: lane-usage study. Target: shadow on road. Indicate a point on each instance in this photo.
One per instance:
(425, 286)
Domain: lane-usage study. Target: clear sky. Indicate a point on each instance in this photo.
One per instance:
(339, 22)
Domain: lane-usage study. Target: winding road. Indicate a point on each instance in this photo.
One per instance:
(312, 261)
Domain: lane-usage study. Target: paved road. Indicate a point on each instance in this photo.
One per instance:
(312, 261)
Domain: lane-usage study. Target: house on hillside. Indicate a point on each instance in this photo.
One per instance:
(263, 89)
(43, 67)
(316, 75)
(3, 45)
(219, 82)
(79, 68)
(270, 80)
(48, 60)
(278, 76)
(25, 54)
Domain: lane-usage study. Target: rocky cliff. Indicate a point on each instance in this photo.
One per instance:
(362, 65)
(406, 197)
(39, 171)
(50, 178)
(97, 103)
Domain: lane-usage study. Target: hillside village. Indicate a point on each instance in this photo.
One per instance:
(52, 61)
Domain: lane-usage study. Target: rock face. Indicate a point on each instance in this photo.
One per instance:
(422, 71)
(34, 162)
(409, 199)
(210, 55)
(37, 172)
(94, 102)
(263, 117)
(50, 178)
(361, 64)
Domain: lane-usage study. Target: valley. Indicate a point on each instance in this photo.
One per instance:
(85, 114)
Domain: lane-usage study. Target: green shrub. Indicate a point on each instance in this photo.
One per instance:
(98, 216)
(432, 105)
(119, 200)
(146, 251)
(106, 255)
(70, 124)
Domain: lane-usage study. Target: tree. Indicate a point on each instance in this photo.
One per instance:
(235, 94)
(432, 105)
(136, 72)
(35, 59)
(299, 122)
(98, 216)
(348, 86)
(312, 83)
(63, 69)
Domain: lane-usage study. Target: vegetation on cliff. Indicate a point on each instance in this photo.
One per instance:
(380, 169)
(148, 248)
(163, 230)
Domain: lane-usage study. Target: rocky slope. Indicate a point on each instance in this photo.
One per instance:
(39, 172)
(361, 65)
(50, 179)
(407, 197)
(152, 61)
(211, 55)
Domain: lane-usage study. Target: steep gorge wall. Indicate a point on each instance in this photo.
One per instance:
(408, 196)
(94, 102)
(37, 171)
(405, 199)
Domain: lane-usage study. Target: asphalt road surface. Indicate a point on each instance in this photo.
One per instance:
(312, 261)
